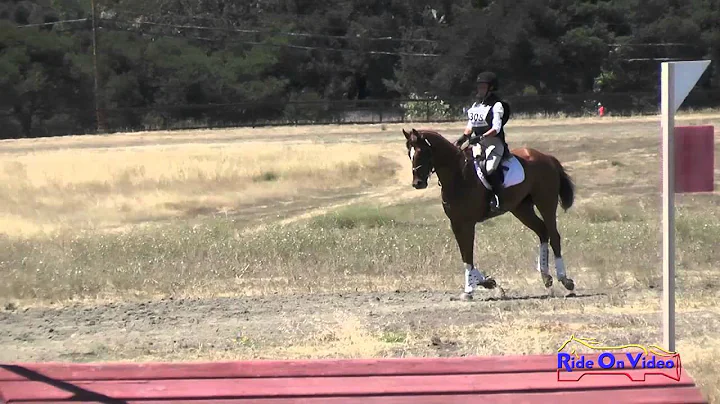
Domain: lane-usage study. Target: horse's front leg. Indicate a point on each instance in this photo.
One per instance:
(465, 237)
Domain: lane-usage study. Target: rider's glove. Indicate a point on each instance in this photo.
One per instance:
(461, 139)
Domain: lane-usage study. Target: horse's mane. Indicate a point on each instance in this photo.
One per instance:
(436, 139)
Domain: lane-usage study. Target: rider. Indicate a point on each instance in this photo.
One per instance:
(485, 130)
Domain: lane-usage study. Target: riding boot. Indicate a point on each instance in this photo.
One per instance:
(494, 180)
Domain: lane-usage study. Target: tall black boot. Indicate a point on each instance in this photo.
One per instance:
(496, 184)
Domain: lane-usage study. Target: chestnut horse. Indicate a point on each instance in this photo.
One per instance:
(465, 199)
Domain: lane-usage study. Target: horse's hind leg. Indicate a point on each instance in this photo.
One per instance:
(548, 210)
(525, 212)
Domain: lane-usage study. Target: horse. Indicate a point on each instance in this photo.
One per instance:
(533, 179)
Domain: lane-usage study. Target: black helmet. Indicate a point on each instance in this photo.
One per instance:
(490, 78)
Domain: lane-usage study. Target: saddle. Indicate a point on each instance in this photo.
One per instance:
(499, 173)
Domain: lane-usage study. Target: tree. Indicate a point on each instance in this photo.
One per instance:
(37, 79)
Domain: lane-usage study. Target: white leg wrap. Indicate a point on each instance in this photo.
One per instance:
(560, 268)
(542, 262)
(473, 277)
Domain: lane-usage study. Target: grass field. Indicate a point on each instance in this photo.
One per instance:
(308, 242)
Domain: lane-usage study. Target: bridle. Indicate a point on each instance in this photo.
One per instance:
(432, 170)
(429, 159)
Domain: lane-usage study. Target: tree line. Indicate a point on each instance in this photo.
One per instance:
(220, 61)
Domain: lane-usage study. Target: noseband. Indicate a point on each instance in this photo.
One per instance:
(432, 171)
(432, 168)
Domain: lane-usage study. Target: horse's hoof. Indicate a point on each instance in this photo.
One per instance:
(547, 280)
(568, 283)
(466, 296)
(488, 283)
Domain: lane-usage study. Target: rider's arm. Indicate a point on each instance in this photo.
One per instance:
(498, 113)
(466, 134)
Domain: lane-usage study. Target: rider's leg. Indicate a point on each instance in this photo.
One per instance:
(493, 155)
(478, 151)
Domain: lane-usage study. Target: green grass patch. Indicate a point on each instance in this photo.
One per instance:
(266, 176)
(357, 248)
(353, 217)
(393, 337)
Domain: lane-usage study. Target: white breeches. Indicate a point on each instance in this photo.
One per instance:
(491, 149)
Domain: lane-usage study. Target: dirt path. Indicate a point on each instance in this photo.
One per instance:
(234, 327)
(369, 324)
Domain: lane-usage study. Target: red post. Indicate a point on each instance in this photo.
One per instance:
(694, 159)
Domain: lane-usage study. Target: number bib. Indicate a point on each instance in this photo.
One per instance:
(476, 115)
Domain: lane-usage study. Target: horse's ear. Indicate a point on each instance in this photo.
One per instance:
(420, 136)
(407, 135)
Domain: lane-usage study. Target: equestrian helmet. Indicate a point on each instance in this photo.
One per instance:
(490, 78)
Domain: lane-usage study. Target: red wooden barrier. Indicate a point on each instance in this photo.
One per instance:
(499, 379)
(694, 159)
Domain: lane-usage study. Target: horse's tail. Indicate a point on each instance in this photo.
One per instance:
(567, 187)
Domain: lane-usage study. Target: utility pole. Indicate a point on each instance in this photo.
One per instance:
(100, 127)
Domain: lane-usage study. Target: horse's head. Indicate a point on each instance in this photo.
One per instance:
(420, 153)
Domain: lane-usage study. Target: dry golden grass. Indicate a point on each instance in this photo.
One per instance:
(227, 136)
(344, 243)
(93, 189)
(78, 183)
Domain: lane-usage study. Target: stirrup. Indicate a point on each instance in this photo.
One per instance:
(495, 203)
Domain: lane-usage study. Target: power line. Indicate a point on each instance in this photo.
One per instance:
(650, 44)
(300, 47)
(651, 59)
(53, 23)
(255, 43)
(306, 35)
(134, 13)
(293, 34)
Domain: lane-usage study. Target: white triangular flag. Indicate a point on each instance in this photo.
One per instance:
(686, 76)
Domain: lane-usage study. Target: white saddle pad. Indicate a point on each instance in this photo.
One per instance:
(514, 172)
